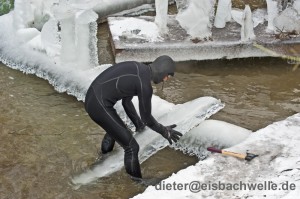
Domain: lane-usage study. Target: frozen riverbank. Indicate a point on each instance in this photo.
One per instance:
(274, 173)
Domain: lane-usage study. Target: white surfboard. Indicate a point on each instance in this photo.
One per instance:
(186, 116)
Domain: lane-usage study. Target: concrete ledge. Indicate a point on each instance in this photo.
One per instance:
(225, 43)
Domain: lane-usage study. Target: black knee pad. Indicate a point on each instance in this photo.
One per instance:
(107, 144)
(133, 146)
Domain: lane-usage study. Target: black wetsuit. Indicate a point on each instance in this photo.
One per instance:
(121, 82)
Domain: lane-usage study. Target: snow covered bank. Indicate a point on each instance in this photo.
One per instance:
(275, 171)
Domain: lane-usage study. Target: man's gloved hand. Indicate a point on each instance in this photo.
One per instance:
(170, 134)
(140, 127)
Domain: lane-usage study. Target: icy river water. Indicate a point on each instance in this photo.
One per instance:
(46, 137)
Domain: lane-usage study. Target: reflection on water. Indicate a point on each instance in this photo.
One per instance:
(45, 137)
(256, 92)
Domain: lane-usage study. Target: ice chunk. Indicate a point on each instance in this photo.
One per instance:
(39, 19)
(203, 12)
(237, 15)
(247, 32)
(26, 34)
(223, 14)
(50, 38)
(161, 17)
(296, 6)
(288, 20)
(23, 15)
(182, 4)
(83, 4)
(273, 11)
(258, 16)
(36, 43)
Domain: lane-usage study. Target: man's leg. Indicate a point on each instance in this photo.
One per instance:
(118, 131)
(115, 128)
(131, 159)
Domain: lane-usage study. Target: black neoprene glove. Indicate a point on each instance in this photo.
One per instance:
(140, 127)
(170, 134)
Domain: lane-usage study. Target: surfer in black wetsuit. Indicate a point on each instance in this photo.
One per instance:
(121, 82)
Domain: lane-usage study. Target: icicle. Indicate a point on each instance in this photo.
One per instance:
(65, 15)
(247, 32)
(223, 14)
(161, 17)
(86, 39)
(272, 6)
(50, 38)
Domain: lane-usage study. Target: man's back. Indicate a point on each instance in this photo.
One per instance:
(122, 80)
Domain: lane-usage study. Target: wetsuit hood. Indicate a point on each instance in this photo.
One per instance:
(162, 67)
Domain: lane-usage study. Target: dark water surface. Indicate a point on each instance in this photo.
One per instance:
(46, 137)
